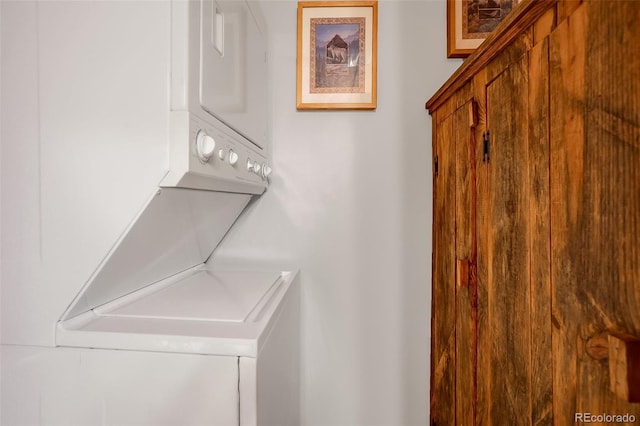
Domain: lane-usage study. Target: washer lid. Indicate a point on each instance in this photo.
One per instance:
(178, 229)
(205, 295)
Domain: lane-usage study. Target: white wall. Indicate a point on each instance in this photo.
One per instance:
(350, 205)
(78, 159)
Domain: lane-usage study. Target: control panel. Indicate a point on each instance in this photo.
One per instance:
(215, 153)
(209, 155)
(207, 150)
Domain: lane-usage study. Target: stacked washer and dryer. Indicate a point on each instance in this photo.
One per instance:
(161, 334)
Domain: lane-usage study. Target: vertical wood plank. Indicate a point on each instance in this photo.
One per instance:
(540, 232)
(511, 54)
(566, 7)
(443, 296)
(509, 264)
(444, 238)
(465, 325)
(566, 70)
(464, 187)
(544, 25)
(443, 389)
(433, 402)
(483, 380)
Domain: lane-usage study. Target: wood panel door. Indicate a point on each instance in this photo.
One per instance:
(504, 289)
(514, 350)
(465, 254)
(454, 316)
(443, 288)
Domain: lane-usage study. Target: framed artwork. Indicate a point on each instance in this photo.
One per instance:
(469, 22)
(337, 48)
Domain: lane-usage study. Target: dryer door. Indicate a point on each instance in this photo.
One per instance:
(233, 69)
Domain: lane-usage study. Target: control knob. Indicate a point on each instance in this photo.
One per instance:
(205, 146)
(266, 171)
(253, 166)
(233, 157)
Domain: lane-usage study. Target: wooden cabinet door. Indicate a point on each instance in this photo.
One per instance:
(491, 302)
(513, 239)
(465, 287)
(504, 254)
(443, 289)
(453, 314)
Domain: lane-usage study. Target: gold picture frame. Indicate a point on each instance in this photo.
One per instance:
(337, 55)
(469, 22)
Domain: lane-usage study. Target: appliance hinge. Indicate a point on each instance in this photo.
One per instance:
(435, 166)
(486, 143)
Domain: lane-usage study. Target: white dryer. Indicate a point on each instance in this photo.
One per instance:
(161, 334)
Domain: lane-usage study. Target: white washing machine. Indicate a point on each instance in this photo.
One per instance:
(161, 334)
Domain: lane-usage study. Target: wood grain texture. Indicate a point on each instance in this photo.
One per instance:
(612, 164)
(483, 389)
(444, 238)
(595, 198)
(465, 318)
(463, 183)
(443, 389)
(607, 249)
(594, 394)
(539, 218)
(443, 297)
(565, 8)
(510, 55)
(451, 105)
(544, 25)
(433, 402)
(508, 278)
(566, 71)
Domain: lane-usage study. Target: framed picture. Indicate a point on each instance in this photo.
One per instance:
(337, 43)
(469, 22)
